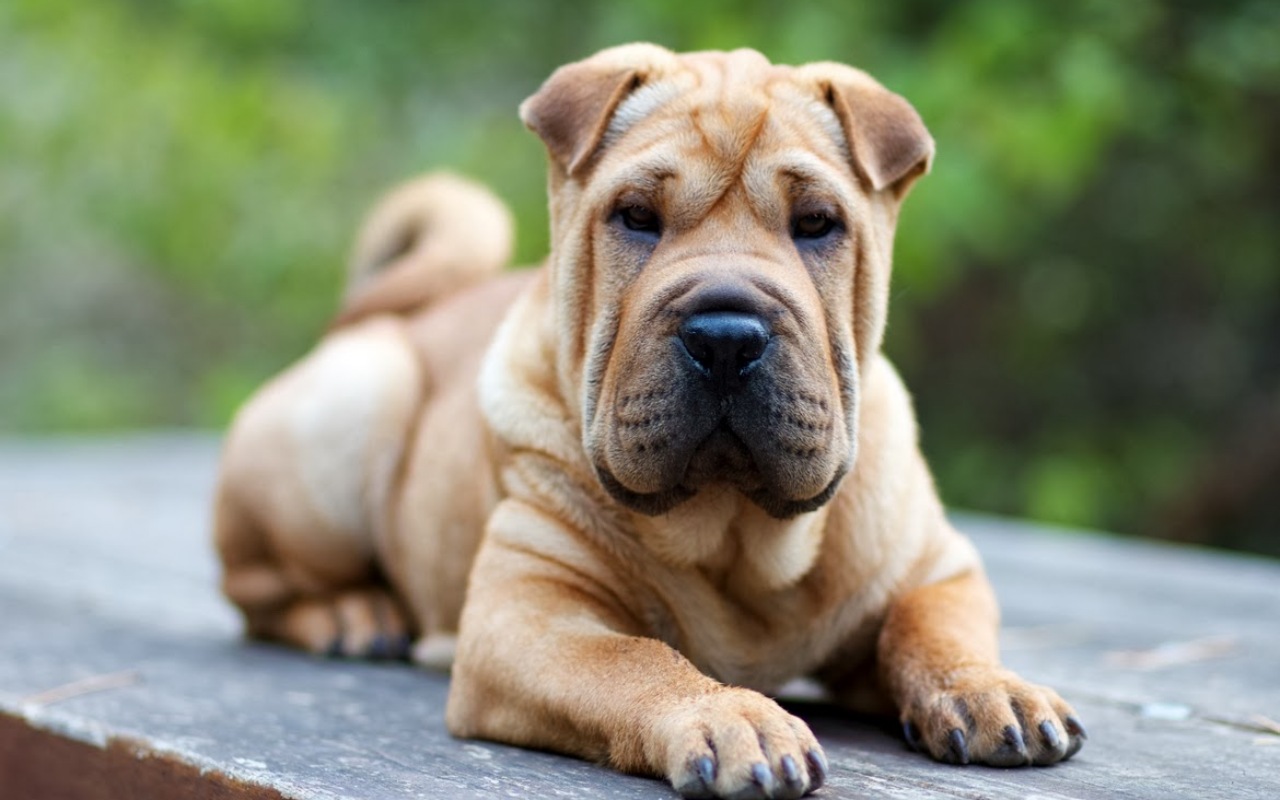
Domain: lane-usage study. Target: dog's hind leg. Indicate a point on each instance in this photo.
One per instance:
(302, 499)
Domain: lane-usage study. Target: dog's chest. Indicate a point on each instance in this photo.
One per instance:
(755, 601)
(765, 640)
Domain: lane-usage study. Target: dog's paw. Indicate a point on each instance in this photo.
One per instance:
(736, 743)
(360, 623)
(992, 716)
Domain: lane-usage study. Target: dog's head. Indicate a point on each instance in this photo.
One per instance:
(722, 230)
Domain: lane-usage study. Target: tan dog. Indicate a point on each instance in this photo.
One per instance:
(695, 476)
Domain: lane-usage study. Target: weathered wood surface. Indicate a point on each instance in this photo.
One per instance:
(112, 631)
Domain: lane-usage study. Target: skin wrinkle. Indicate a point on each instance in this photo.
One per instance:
(745, 613)
(645, 101)
(589, 586)
(604, 333)
(604, 355)
(848, 388)
(695, 119)
(836, 158)
(859, 284)
(737, 162)
(644, 185)
(587, 290)
(616, 551)
(571, 311)
(868, 315)
(646, 177)
(765, 284)
(809, 171)
(596, 369)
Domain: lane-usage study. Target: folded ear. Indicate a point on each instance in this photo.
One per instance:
(572, 109)
(888, 141)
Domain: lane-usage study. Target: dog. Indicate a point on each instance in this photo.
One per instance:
(631, 492)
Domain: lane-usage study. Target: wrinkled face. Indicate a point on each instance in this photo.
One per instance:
(724, 249)
(710, 261)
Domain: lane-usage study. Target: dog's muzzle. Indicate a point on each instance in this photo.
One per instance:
(723, 398)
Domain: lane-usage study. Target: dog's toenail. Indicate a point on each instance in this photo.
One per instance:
(1050, 734)
(817, 768)
(912, 734)
(958, 747)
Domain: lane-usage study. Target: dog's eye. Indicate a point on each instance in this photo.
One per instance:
(640, 218)
(812, 226)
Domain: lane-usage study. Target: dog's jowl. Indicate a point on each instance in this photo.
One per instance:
(631, 492)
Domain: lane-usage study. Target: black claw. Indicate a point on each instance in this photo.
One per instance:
(389, 647)
(1013, 753)
(817, 768)
(401, 646)
(699, 785)
(1050, 733)
(791, 774)
(958, 748)
(912, 734)
(763, 776)
(1073, 748)
(1075, 727)
(706, 769)
(1013, 738)
(1054, 749)
(380, 647)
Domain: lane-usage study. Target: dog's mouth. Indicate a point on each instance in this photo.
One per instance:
(721, 458)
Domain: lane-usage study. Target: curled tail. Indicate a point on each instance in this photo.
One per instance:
(423, 241)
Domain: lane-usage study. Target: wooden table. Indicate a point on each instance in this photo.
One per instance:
(122, 673)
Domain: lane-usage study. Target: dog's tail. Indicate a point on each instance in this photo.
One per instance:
(423, 241)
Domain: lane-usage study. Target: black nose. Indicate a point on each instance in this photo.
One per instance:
(724, 343)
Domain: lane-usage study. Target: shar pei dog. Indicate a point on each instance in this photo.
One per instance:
(631, 492)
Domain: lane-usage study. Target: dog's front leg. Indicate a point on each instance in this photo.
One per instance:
(939, 657)
(551, 655)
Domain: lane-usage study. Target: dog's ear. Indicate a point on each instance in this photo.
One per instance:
(888, 141)
(571, 111)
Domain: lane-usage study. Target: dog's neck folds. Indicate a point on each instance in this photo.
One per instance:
(720, 530)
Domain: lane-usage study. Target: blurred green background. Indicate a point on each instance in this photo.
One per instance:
(1087, 292)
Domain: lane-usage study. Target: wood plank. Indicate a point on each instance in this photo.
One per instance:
(112, 634)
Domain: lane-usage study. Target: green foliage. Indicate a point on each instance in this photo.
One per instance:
(1087, 291)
